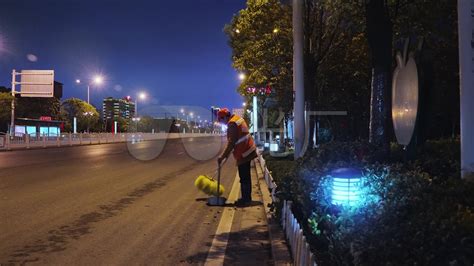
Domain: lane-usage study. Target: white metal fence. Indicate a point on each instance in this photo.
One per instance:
(26, 141)
(299, 247)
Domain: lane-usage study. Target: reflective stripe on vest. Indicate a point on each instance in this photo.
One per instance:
(249, 151)
(244, 145)
(242, 139)
(239, 121)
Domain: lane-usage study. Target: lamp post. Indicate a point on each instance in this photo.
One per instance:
(136, 120)
(142, 96)
(88, 115)
(97, 80)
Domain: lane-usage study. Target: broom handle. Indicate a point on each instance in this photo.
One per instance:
(219, 165)
(218, 179)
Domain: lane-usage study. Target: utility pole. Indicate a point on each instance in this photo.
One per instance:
(466, 83)
(298, 78)
(12, 122)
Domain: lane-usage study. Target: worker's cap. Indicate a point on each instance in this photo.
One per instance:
(222, 113)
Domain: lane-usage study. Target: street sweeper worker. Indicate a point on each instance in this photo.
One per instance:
(241, 144)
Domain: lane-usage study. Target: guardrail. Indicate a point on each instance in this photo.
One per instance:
(26, 141)
(299, 247)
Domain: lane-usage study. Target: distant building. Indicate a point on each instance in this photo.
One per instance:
(113, 108)
(58, 89)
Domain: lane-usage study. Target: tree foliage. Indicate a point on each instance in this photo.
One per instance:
(336, 65)
(26, 107)
(147, 124)
(86, 114)
(35, 107)
(5, 110)
(349, 49)
(261, 42)
(421, 206)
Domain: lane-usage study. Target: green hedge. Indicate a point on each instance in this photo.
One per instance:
(416, 212)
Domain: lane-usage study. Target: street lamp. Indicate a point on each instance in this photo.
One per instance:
(177, 114)
(97, 80)
(191, 114)
(136, 120)
(244, 104)
(88, 115)
(141, 96)
(241, 76)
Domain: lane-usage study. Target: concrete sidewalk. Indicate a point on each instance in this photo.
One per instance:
(254, 238)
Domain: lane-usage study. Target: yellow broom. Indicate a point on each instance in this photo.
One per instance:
(208, 185)
(212, 187)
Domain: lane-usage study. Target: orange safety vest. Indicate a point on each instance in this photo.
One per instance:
(245, 144)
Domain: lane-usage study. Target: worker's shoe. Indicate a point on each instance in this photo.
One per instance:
(242, 203)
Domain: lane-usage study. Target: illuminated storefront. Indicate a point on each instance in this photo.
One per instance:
(38, 127)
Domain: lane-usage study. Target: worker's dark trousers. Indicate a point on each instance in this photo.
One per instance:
(245, 181)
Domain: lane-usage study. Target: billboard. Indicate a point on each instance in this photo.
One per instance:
(37, 83)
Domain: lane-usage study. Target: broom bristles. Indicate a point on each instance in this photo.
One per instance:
(208, 185)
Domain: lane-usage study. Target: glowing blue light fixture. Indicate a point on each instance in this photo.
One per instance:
(346, 186)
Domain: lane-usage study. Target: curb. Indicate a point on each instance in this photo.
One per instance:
(280, 251)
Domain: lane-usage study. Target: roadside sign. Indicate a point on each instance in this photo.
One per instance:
(37, 83)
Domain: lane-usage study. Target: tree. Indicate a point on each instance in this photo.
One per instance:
(330, 27)
(26, 107)
(35, 107)
(261, 42)
(386, 22)
(437, 62)
(5, 110)
(379, 29)
(147, 124)
(343, 81)
(86, 114)
(123, 124)
(349, 59)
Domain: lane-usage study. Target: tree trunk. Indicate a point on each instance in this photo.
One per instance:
(379, 35)
(310, 93)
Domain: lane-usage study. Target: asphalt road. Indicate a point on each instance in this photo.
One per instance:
(117, 204)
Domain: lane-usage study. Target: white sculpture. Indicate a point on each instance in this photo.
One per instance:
(404, 97)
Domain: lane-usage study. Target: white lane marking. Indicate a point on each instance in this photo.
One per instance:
(216, 254)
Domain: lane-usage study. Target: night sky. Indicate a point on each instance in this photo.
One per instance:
(175, 50)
